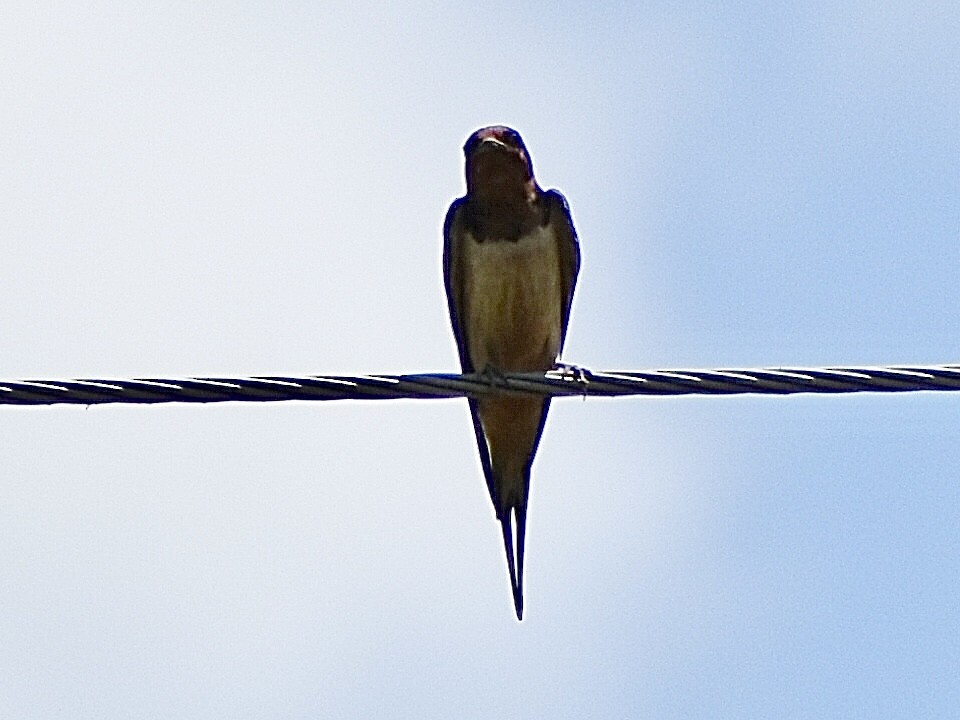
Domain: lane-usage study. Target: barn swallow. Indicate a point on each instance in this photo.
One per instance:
(510, 264)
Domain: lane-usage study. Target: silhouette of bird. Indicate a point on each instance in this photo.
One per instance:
(510, 258)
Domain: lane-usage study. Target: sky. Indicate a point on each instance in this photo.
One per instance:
(258, 188)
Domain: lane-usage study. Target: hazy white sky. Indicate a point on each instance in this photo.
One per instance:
(258, 188)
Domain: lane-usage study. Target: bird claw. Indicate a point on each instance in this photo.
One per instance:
(494, 376)
(573, 373)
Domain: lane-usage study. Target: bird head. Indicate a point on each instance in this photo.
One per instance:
(498, 166)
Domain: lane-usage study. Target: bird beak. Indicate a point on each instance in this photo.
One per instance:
(489, 144)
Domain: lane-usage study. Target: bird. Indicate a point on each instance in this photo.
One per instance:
(510, 263)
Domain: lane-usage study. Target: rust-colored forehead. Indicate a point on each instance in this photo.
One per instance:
(507, 135)
(499, 132)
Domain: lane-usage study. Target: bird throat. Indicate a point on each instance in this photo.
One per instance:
(503, 216)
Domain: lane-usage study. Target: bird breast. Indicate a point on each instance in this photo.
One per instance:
(512, 301)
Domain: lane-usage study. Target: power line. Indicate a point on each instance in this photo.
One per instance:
(566, 381)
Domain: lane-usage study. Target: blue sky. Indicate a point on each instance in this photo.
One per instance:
(258, 188)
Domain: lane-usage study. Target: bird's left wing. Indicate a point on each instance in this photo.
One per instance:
(568, 249)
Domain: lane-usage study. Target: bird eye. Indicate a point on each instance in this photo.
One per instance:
(471, 144)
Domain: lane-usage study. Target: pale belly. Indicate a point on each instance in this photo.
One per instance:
(512, 302)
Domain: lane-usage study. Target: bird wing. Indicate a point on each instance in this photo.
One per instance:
(453, 278)
(453, 230)
(569, 253)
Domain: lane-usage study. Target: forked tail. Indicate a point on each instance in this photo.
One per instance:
(516, 569)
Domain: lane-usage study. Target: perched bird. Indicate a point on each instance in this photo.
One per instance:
(510, 264)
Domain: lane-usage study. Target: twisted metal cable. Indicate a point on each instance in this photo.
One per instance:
(565, 381)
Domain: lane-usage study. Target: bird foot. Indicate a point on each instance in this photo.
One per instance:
(494, 376)
(573, 373)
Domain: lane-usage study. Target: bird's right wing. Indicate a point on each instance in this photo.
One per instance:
(453, 281)
(453, 278)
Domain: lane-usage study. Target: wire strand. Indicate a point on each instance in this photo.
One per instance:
(565, 381)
